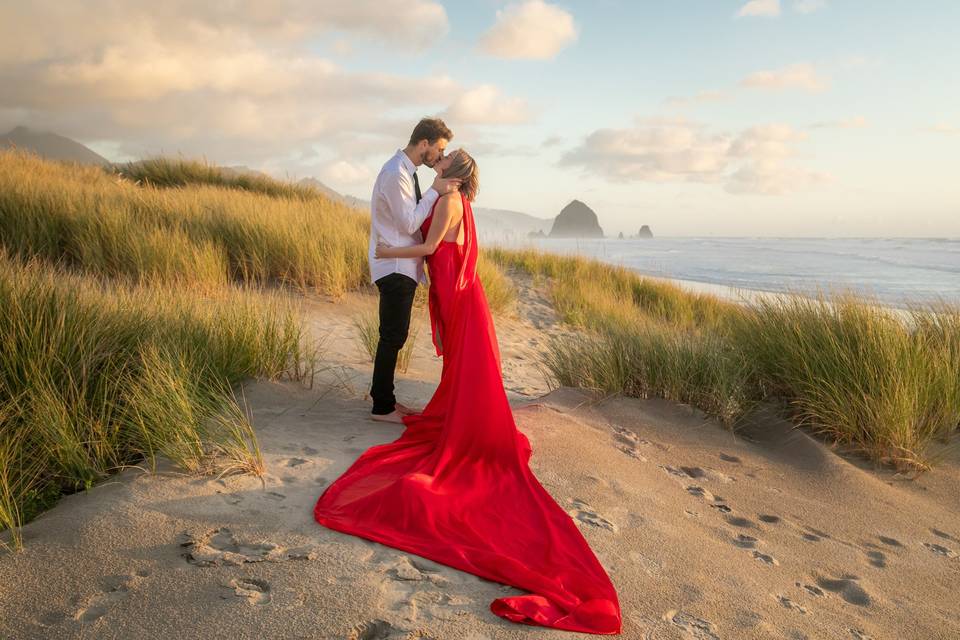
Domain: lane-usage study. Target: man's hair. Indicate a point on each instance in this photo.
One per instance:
(431, 130)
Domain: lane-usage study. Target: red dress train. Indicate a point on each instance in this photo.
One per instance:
(456, 488)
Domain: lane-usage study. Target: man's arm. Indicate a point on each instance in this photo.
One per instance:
(407, 215)
(446, 211)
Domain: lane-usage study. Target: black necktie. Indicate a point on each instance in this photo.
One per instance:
(416, 186)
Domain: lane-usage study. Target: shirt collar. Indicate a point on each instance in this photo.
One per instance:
(407, 162)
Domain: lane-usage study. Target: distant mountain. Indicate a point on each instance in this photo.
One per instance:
(51, 146)
(576, 220)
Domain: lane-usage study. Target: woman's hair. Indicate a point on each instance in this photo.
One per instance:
(463, 166)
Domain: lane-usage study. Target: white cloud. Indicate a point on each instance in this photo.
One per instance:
(485, 104)
(239, 86)
(802, 76)
(808, 6)
(676, 150)
(769, 8)
(49, 29)
(533, 30)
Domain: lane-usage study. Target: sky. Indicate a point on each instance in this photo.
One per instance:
(696, 117)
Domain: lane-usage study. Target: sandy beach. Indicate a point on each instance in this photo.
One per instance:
(766, 533)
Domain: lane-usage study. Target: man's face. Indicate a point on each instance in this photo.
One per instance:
(434, 152)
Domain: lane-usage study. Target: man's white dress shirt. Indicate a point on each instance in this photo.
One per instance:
(395, 216)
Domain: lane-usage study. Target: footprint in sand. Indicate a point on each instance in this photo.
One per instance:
(944, 535)
(848, 589)
(722, 507)
(770, 519)
(766, 558)
(877, 559)
(117, 588)
(309, 451)
(940, 550)
(738, 521)
(812, 590)
(749, 542)
(859, 634)
(700, 492)
(410, 590)
(372, 630)
(692, 625)
(585, 513)
(296, 462)
(256, 591)
(696, 472)
(629, 443)
(893, 542)
(745, 542)
(221, 547)
(787, 603)
(729, 458)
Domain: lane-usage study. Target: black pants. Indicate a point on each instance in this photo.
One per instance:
(396, 301)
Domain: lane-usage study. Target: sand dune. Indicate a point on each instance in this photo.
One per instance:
(768, 533)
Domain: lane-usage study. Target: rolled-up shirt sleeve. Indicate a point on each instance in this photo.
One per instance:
(407, 214)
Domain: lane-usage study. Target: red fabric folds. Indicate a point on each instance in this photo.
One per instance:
(456, 487)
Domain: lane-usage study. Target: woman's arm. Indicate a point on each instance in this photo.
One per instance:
(447, 208)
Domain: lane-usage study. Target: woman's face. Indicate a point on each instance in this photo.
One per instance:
(444, 164)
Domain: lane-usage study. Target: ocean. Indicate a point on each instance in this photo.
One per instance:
(895, 272)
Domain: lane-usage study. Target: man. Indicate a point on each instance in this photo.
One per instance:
(397, 210)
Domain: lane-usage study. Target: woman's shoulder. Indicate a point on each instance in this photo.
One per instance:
(452, 200)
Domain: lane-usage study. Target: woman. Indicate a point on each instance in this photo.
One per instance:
(456, 486)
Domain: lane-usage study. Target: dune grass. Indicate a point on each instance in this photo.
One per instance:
(200, 236)
(164, 171)
(843, 366)
(96, 376)
(859, 372)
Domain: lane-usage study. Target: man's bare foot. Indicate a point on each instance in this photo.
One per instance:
(405, 410)
(393, 416)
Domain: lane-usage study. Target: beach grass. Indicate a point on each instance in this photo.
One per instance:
(859, 372)
(200, 235)
(165, 171)
(97, 375)
(843, 366)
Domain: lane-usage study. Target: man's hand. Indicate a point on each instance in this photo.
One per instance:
(444, 186)
(381, 250)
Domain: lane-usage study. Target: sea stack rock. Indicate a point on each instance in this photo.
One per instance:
(577, 220)
(645, 232)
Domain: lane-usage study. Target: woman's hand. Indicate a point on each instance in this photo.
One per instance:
(382, 250)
